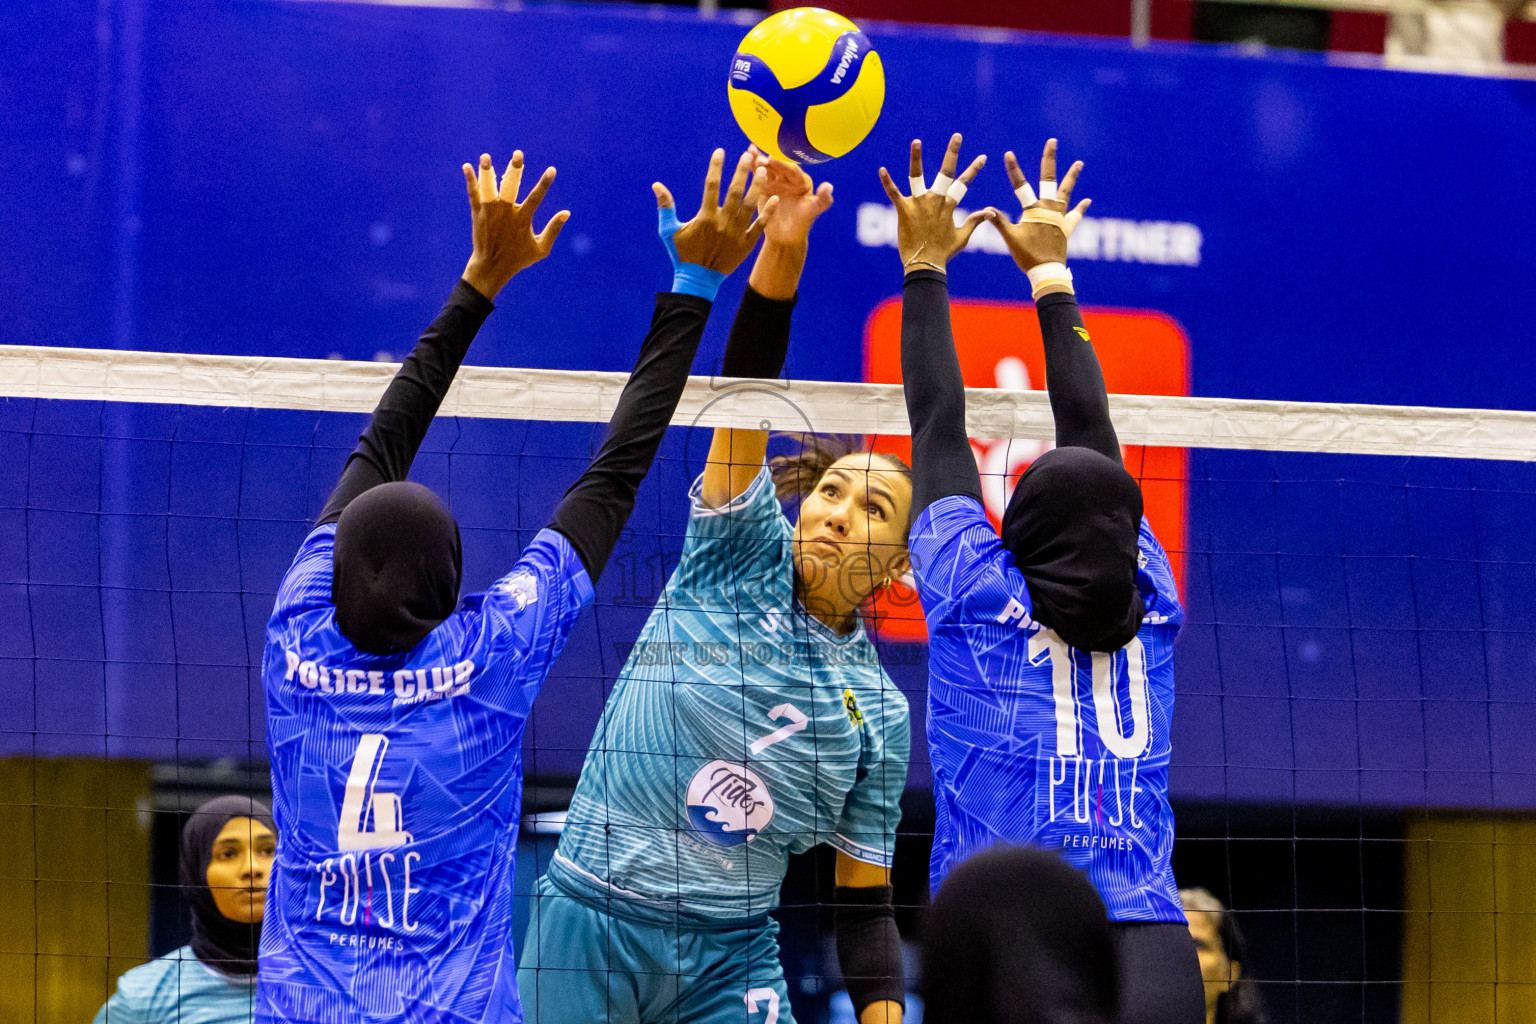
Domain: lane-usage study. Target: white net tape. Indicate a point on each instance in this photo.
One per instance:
(827, 407)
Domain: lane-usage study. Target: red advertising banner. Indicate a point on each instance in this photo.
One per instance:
(1142, 352)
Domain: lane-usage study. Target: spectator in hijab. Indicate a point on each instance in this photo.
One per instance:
(1231, 997)
(226, 856)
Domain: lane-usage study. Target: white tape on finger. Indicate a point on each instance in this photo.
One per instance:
(1047, 189)
(917, 185)
(942, 183)
(958, 190)
(1026, 195)
(511, 182)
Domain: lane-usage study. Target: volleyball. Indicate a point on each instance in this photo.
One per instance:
(806, 85)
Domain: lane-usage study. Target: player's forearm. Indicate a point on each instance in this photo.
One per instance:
(1074, 379)
(756, 348)
(389, 444)
(595, 509)
(759, 338)
(735, 459)
(776, 272)
(942, 462)
(869, 951)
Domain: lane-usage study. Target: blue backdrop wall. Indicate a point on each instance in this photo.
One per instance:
(273, 178)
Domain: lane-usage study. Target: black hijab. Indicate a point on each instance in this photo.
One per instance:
(1071, 527)
(395, 576)
(218, 941)
(1018, 936)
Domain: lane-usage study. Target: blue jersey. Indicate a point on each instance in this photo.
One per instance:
(396, 785)
(1033, 741)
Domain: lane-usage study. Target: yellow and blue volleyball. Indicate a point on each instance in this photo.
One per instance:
(806, 85)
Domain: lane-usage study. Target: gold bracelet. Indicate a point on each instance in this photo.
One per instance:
(922, 263)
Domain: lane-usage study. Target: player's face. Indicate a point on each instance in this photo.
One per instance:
(239, 869)
(853, 526)
(1216, 970)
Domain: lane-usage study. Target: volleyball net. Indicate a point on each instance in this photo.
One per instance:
(1355, 730)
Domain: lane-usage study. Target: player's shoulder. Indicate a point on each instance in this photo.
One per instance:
(548, 562)
(964, 573)
(534, 603)
(307, 583)
(953, 533)
(1159, 588)
(168, 974)
(950, 515)
(754, 512)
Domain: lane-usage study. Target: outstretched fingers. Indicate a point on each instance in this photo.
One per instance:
(951, 157)
(536, 196)
(956, 190)
(970, 224)
(1020, 183)
(487, 179)
(1048, 164)
(824, 196)
(664, 200)
(546, 238)
(891, 191)
(760, 222)
(1015, 172)
(915, 163)
(711, 200)
(1064, 193)
(736, 192)
(473, 185)
(1048, 181)
(1073, 219)
(512, 178)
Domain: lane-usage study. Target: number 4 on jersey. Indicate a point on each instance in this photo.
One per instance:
(1106, 705)
(362, 802)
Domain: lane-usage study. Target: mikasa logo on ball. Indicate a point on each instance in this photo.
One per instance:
(849, 53)
(728, 804)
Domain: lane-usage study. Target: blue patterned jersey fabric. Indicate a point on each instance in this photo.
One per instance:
(741, 730)
(396, 785)
(1033, 741)
(178, 988)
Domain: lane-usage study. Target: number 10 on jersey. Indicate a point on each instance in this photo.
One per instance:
(1106, 702)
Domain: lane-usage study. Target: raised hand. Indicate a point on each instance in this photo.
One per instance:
(801, 201)
(926, 233)
(721, 234)
(1040, 234)
(505, 243)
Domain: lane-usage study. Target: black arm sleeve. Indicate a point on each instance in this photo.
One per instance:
(869, 946)
(942, 462)
(1079, 403)
(759, 337)
(388, 446)
(595, 509)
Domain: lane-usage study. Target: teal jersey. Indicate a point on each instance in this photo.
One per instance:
(741, 730)
(179, 988)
